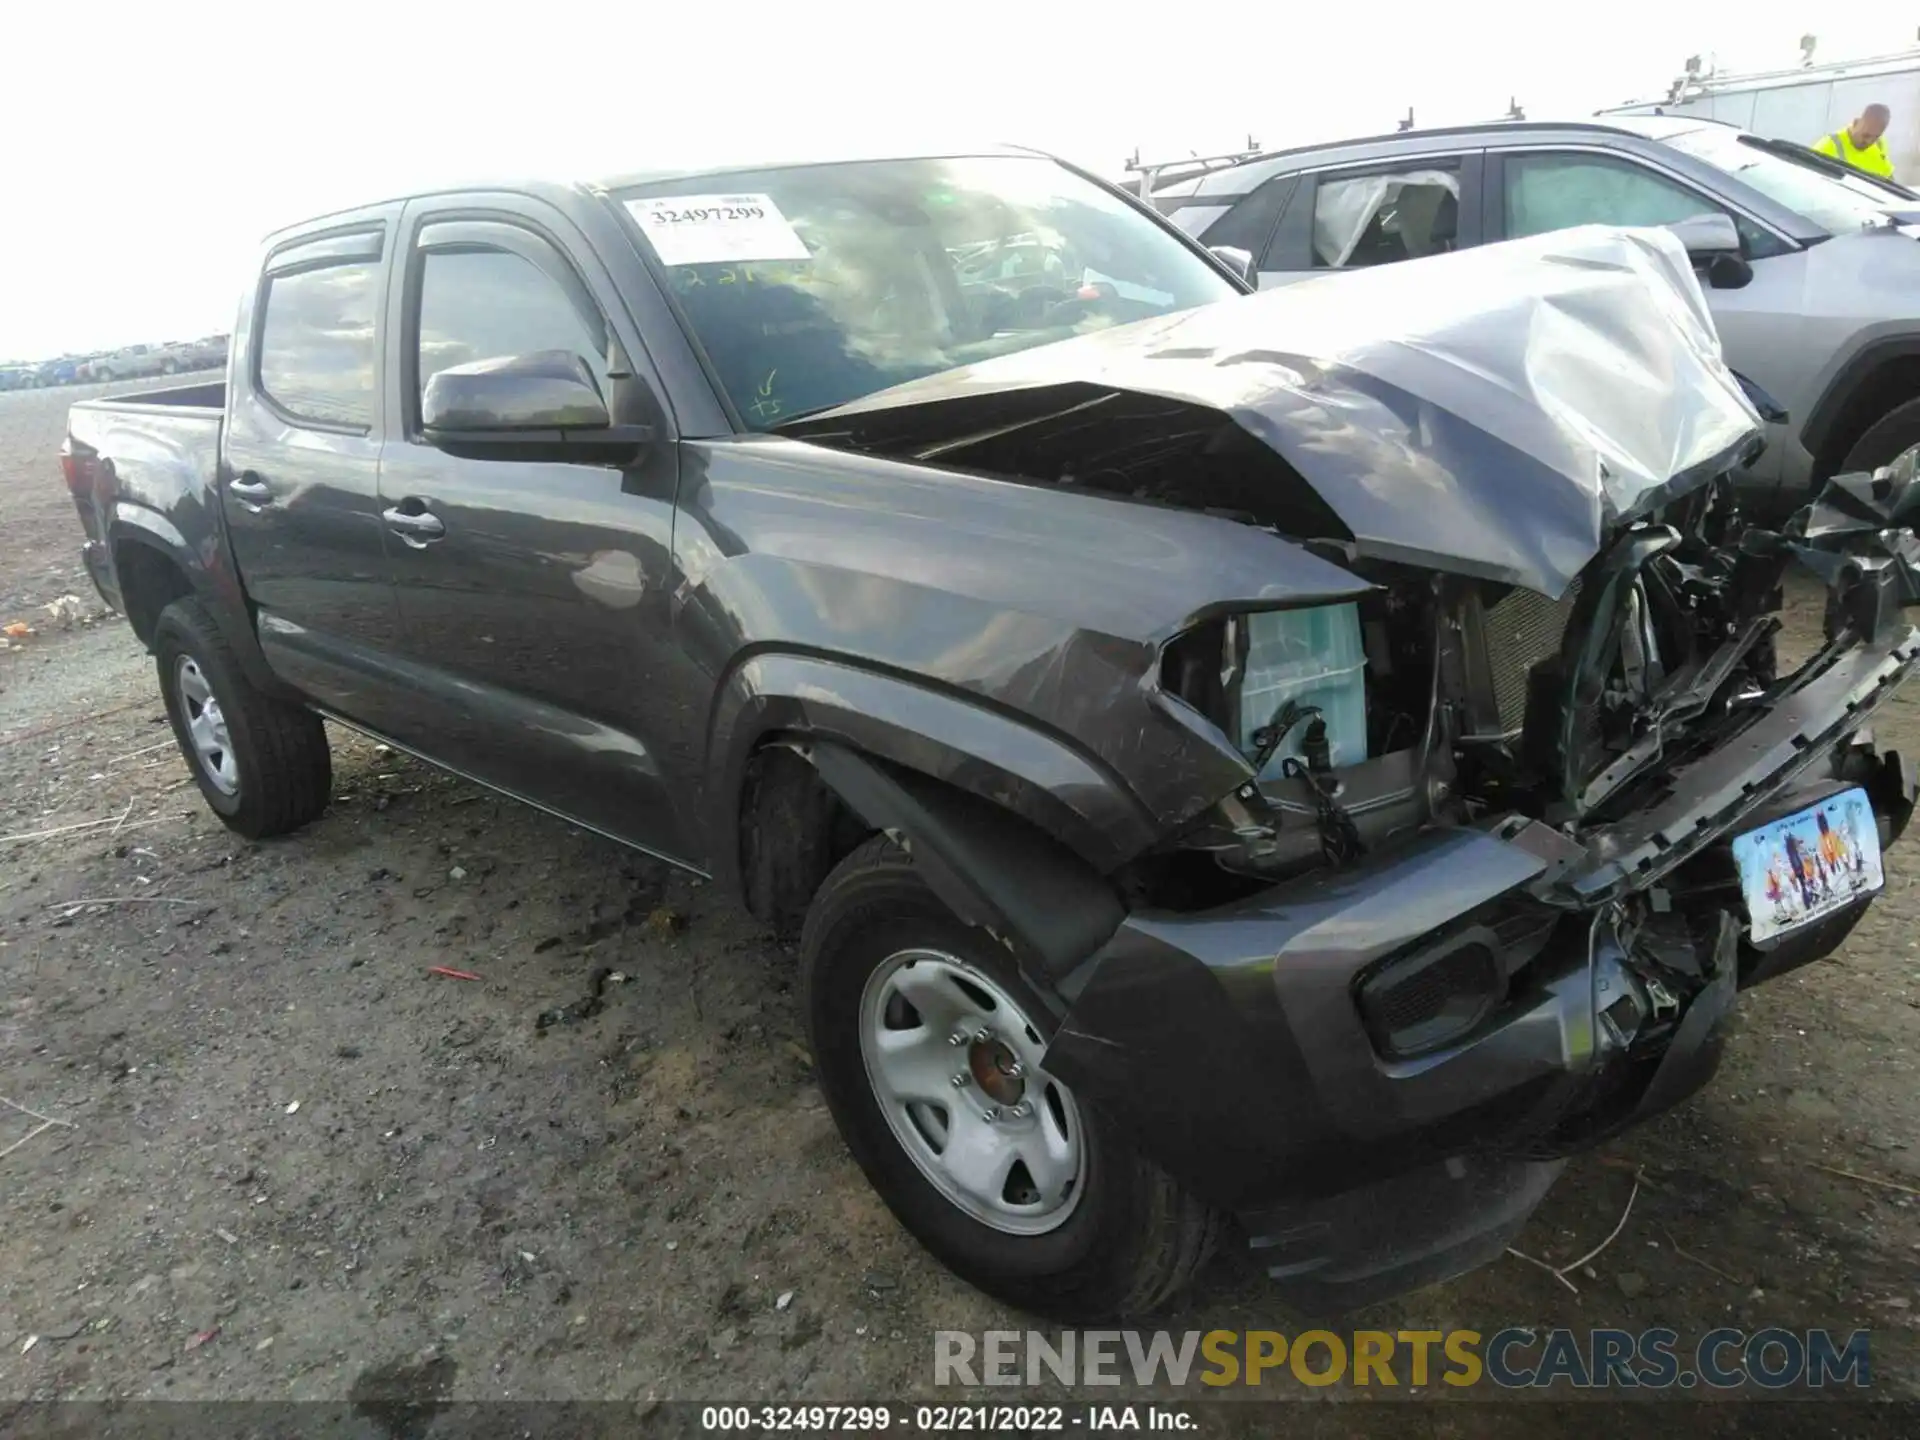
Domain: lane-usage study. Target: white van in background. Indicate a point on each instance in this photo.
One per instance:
(1804, 103)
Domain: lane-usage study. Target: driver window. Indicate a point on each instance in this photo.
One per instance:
(1553, 192)
(1377, 219)
(480, 304)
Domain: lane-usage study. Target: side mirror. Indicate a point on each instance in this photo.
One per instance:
(1729, 272)
(542, 405)
(1237, 260)
(1713, 244)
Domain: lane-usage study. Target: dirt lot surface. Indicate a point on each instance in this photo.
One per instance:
(295, 1163)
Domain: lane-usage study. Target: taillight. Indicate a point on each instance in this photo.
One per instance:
(77, 471)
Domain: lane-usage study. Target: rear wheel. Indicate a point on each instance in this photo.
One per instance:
(261, 763)
(930, 1046)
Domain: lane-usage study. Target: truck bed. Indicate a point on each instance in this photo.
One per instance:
(137, 464)
(209, 395)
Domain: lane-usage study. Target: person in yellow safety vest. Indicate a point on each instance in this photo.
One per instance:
(1860, 145)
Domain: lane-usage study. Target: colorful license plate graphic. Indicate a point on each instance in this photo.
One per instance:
(1809, 864)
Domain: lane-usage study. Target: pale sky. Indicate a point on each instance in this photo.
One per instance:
(150, 145)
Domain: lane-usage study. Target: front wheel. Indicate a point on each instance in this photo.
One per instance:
(262, 764)
(930, 1048)
(1889, 437)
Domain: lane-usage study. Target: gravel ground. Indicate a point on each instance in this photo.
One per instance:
(296, 1164)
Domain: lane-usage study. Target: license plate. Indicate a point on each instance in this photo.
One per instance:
(1809, 864)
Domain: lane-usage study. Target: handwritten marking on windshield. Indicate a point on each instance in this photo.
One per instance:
(765, 406)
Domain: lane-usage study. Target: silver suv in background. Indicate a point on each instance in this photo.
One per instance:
(1814, 285)
(208, 353)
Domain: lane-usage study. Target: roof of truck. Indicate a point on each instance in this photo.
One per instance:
(654, 175)
(665, 172)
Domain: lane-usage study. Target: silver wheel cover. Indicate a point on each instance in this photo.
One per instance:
(954, 1064)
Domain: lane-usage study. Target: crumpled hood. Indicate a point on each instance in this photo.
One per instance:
(1492, 413)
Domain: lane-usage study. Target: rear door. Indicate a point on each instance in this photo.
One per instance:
(534, 593)
(1372, 214)
(299, 477)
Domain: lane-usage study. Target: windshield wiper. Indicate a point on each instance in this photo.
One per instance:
(1808, 158)
(794, 419)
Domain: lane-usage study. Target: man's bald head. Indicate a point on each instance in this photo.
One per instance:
(1871, 125)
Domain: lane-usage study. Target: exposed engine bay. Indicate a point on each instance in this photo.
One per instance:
(1436, 697)
(1484, 700)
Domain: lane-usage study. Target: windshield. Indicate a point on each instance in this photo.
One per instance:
(1829, 202)
(816, 285)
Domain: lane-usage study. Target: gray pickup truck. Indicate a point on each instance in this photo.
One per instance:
(1315, 758)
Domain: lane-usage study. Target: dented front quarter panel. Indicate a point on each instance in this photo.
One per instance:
(1044, 607)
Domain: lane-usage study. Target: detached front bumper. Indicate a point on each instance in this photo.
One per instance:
(1258, 1051)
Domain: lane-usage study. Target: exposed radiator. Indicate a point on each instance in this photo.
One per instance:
(1521, 631)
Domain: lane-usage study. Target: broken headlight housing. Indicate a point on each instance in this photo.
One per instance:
(1265, 676)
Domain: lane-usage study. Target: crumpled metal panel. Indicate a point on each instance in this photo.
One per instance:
(1857, 536)
(1490, 413)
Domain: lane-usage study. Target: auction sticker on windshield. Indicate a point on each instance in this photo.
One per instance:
(717, 229)
(1809, 864)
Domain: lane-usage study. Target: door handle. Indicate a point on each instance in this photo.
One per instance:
(250, 490)
(417, 528)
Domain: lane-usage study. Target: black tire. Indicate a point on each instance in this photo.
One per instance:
(1133, 1237)
(1886, 439)
(279, 750)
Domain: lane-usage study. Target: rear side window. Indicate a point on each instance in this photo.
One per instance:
(481, 304)
(1377, 219)
(316, 349)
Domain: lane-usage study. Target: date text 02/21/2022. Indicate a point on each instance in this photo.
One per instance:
(943, 1419)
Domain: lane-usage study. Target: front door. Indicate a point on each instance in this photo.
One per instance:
(299, 477)
(533, 593)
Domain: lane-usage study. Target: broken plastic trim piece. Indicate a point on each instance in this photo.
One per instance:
(1709, 797)
(993, 870)
(1858, 537)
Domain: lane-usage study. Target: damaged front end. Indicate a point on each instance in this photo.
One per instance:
(1518, 926)
(1477, 900)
